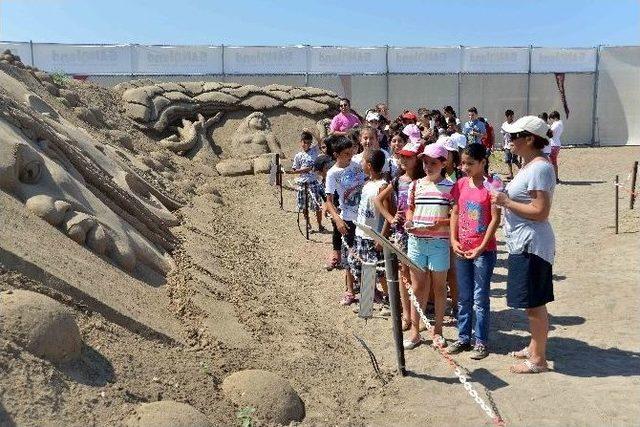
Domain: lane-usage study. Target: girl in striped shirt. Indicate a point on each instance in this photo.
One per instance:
(427, 224)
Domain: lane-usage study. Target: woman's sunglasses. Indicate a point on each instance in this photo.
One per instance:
(518, 135)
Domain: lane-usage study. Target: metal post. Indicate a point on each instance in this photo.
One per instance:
(387, 76)
(617, 190)
(306, 208)
(224, 79)
(391, 267)
(460, 81)
(33, 64)
(595, 139)
(528, 94)
(279, 178)
(307, 56)
(633, 184)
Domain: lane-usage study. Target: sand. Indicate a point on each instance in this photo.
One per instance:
(250, 292)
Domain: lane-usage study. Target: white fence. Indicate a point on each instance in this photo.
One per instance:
(601, 84)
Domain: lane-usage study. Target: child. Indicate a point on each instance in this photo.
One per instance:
(474, 221)
(399, 189)
(428, 246)
(303, 165)
(369, 143)
(366, 249)
(346, 179)
(509, 158)
(398, 140)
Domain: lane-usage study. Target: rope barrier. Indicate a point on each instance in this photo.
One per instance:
(458, 370)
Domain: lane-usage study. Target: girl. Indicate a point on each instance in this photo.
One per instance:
(474, 221)
(529, 237)
(398, 140)
(385, 204)
(427, 223)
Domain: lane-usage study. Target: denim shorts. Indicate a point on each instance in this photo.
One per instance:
(431, 254)
(529, 281)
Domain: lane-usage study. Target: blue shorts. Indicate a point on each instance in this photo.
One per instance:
(431, 254)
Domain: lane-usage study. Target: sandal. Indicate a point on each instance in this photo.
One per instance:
(410, 345)
(530, 368)
(521, 354)
(347, 299)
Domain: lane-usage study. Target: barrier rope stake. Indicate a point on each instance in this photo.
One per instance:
(634, 174)
(306, 208)
(616, 205)
(391, 267)
(279, 179)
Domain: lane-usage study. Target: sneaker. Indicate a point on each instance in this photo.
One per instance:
(459, 347)
(439, 342)
(410, 345)
(347, 299)
(479, 352)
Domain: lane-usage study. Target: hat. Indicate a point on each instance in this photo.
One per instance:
(372, 115)
(435, 151)
(413, 132)
(411, 149)
(448, 143)
(531, 124)
(408, 115)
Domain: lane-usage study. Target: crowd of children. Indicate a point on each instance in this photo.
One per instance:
(423, 182)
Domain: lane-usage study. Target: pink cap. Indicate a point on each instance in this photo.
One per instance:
(435, 151)
(413, 132)
(411, 149)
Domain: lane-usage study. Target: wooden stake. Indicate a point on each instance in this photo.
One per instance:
(632, 199)
(617, 191)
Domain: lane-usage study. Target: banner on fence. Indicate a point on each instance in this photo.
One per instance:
(550, 60)
(424, 59)
(495, 60)
(265, 60)
(347, 60)
(167, 60)
(83, 59)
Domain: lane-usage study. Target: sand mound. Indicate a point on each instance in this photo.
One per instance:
(40, 324)
(167, 413)
(272, 397)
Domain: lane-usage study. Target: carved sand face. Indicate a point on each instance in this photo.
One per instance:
(62, 199)
(257, 121)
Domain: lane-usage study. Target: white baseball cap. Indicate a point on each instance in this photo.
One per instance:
(372, 115)
(531, 124)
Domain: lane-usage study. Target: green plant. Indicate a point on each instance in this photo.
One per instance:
(245, 416)
(59, 78)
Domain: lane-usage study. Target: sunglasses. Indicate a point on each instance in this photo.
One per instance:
(344, 105)
(519, 135)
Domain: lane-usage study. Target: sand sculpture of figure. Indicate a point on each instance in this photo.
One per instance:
(191, 139)
(254, 137)
(75, 184)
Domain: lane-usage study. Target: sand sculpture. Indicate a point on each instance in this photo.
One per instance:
(162, 107)
(91, 191)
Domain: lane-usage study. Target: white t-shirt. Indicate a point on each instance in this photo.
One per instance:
(367, 212)
(557, 127)
(347, 182)
(506, 137)
(459, 139)
(303, 160)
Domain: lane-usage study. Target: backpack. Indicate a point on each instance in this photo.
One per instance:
(489, 139)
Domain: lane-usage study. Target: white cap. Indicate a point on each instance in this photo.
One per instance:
(372, 115)
(531, 124)
(448, 143)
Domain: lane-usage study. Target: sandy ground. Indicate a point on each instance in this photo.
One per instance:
(252, 293)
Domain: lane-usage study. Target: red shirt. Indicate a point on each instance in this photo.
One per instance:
(474, 214)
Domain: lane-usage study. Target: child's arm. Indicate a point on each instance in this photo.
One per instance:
(342, 226)
(455, 244)
(299, 171)
(379, 202)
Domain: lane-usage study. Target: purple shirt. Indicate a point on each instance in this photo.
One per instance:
(344, 122)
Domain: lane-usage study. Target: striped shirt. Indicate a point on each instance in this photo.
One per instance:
(430, 202)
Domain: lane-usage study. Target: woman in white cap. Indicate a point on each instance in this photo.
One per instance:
(529, 237)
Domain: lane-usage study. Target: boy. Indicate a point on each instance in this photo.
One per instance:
(303, 165)
(366, 249)
(345, 178)
(509, 158)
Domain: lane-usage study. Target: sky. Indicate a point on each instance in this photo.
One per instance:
(557, 23)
